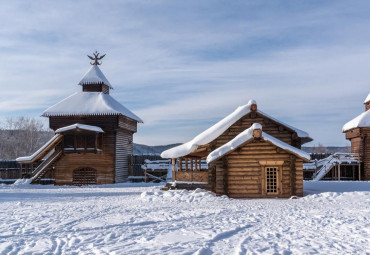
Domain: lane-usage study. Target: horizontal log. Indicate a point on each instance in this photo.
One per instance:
(243, 182)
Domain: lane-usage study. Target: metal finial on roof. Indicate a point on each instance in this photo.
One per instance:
(96, 58)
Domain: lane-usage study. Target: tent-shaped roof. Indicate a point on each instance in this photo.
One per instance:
(219, 128)
(81, 127)
(362, 120)
(247, 135)
(94, 76)
(367, 99)
(89, 103)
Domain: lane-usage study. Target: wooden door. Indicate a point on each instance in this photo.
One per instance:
(272, 180)
(84, 176)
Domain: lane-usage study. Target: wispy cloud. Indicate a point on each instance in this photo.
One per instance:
(183, 65)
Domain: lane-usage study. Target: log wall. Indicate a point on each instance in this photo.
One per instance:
(269, 126)
(95, 88)
(360, 143)
(245, 172)
(112, 164)
(190, 176)
(106, 122)
(123, 153)
(103, 162)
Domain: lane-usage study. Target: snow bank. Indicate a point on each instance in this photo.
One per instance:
(136, 218)
(80, 126)
(312, 187)
(197, 195)
(216, 130)
(94, 76)
(363, 120)
(21, 182)
(89, 103)
(247, 135)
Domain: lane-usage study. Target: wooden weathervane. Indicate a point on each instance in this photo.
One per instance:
(96, 58)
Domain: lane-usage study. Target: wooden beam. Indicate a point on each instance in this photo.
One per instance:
(180, 164)
(173, 164)
(353, 173)
(338, 167)
(359, 172)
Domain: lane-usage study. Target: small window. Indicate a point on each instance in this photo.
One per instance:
(90, 142)
(80, 142)
(69, 141)
(272, 180)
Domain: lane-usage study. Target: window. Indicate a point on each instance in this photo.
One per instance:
(90, 142)
(82, 142)
(69, 141)
(272, 180)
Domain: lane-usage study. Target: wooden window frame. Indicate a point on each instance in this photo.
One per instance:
(277, 180)
(271, 164)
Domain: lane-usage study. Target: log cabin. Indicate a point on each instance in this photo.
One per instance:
(357, 131)
(93, 138)
(243, 161)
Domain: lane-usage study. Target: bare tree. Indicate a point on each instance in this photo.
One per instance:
(319, 149)
(21, 136)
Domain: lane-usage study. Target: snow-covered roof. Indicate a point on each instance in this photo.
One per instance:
(94, 76)
(79, 126)
(220, 127)
(362, 120)
(39, 151)
(89, 103)
(247, 135)
(367, 99)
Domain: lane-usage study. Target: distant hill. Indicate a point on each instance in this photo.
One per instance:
(141, 149)
(328, 149)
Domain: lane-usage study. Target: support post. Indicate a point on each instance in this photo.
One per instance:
(180, 164)
(353, 172)
(359, 172)
(338, 172)
(173, 169)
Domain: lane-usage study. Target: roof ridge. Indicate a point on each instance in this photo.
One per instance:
(94, 76)
(246, 136)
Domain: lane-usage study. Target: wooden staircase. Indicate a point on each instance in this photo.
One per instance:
(45, 166)
(50, 152)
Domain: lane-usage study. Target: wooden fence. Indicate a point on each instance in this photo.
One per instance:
(10, 169)
(319, 156)
(138, 160)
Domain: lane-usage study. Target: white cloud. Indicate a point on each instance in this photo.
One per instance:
(192, 61)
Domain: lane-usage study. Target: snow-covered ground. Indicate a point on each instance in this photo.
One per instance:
(332, 218)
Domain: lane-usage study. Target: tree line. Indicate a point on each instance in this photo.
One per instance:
(22, 136)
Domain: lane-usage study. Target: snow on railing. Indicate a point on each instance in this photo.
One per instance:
(156, 164)
(327, 164)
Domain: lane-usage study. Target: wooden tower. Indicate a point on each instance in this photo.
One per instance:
(93, 138)
(358, 133)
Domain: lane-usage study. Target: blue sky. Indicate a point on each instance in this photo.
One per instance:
(183, 65)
